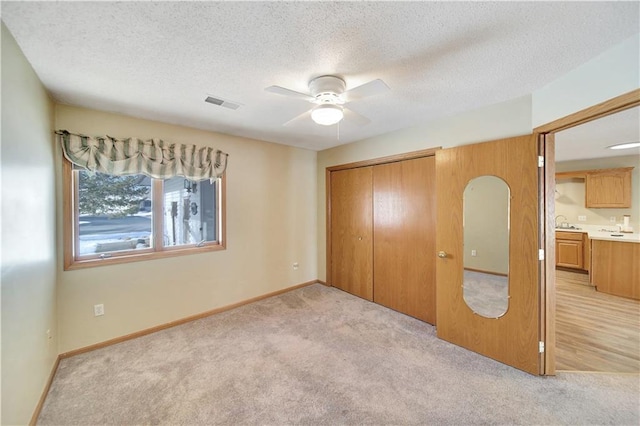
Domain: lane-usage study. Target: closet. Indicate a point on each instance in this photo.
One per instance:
(381, 232)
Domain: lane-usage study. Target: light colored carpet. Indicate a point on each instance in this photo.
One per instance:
(316, 356)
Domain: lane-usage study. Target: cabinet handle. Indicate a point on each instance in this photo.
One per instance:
(359, 238)
(442, 254)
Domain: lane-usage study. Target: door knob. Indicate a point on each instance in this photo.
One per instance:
(442, 254)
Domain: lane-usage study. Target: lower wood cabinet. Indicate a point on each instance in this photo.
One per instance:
(572, 250)
(616, 268)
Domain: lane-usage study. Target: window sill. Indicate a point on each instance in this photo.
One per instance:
(139, 257)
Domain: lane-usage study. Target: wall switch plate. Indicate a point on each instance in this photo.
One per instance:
(98, 310)
(474, 253)
(582, 218)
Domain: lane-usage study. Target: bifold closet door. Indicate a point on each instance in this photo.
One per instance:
(404, 214)
(351, 231)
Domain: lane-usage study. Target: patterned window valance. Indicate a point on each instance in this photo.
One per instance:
(153, 157)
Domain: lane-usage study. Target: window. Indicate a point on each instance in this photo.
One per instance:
(113, 219)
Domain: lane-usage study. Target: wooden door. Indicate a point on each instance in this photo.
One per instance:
(404, 237)
(352, 231)
(514, 337)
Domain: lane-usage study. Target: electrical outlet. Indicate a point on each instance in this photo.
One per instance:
(48, 334)
(582, 218)
(98, 310)
(474, 253)
(295, 266)
(612, 219)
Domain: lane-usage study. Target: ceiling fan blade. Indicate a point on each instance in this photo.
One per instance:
(353, 117)
(278, 90)
(299, 119)
(374, 87)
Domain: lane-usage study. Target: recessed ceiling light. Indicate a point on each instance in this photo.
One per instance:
(625, 145)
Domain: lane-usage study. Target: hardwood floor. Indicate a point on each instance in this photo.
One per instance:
(595, 331)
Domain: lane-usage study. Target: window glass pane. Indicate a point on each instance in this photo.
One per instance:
(209, 207)
(189, 212)
(114, 213)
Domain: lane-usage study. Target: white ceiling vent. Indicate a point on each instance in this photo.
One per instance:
(222, 102)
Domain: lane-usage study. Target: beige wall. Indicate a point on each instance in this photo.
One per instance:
(612, 73)
(271, 223)
(28, 236)
(570, 195)
(510, 118)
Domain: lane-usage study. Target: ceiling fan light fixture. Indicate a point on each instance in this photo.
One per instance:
(327, 114)
(625, 145)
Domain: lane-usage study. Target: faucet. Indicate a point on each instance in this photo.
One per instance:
(562, 225)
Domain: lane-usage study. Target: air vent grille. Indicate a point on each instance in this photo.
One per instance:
(222, 102)
(214, 101)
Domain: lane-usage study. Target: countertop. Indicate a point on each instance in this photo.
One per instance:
(599, 232)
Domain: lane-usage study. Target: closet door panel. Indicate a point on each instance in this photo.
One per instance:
(351, 231)
(404, 237)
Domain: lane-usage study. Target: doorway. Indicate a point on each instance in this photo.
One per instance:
(555, 321)
(596, 331)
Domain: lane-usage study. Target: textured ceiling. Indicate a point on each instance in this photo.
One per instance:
(160, 60)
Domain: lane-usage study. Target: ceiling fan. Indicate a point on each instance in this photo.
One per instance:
(328, 93)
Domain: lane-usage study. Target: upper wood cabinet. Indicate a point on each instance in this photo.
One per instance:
(604, 188)
(608, 188)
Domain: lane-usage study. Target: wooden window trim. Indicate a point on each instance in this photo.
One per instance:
(71, 232)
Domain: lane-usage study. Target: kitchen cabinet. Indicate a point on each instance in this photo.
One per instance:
(604, 188)
(572, 250)
(608, 188)
(382, 234)
(615, 268)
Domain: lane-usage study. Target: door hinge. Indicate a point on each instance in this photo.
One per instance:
(541, 254)
(541, 347)
(540, 161)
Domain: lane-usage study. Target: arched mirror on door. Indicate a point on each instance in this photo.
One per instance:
(486, 204)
